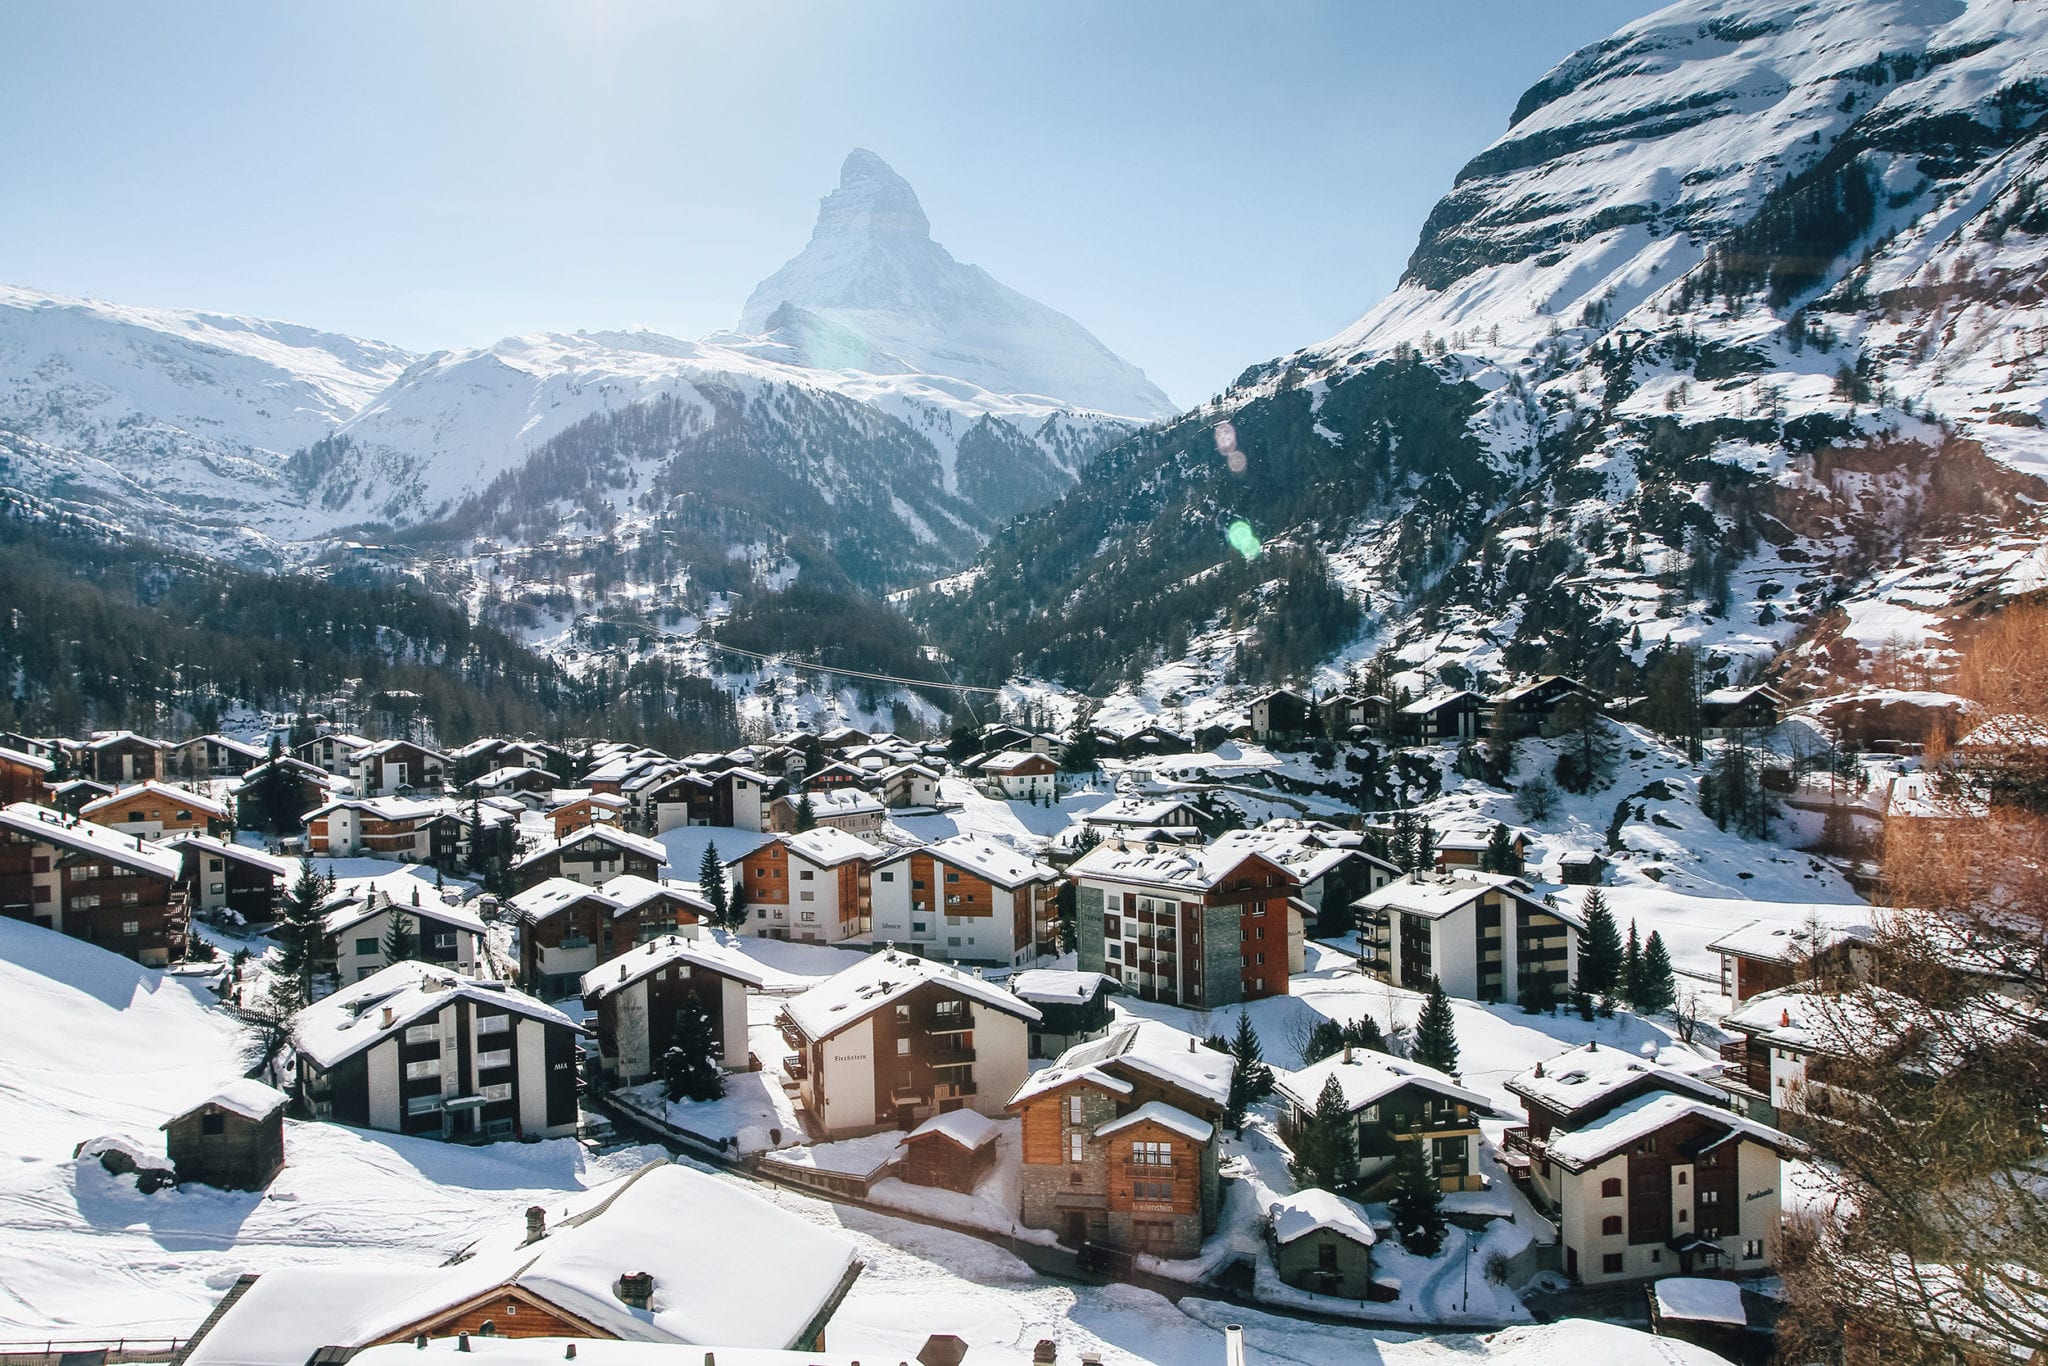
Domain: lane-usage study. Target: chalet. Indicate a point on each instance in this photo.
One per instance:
(847, 808)
(592, 856)
(1644, 1170)
(1322, 1243)
(73, 794)
(91, 883)
(304, 786)
(33, 745)
(24, 777)
(1022, 773)
(155, 810)
(402, 828)
(421, 1050)
(120, 757)
(223, 878)
(1449, 714)
(1321, 866)
(1148, 819)
(505, 782)
(1482, 934)
(567, 928)
(1349, 716)
(233, 1140)
(1003, 735)
(389, 767)
(1581, 867)
(1148, 740)
(1726, 710)
(1120, 1142)
(835, 776)
(1469, 846)
(815, 887)
(1280, 714)
(1393, 1101)
(908, 786)
(1527, 708)
(668, 1255)
(683, 798)
(966, 899)
(212, 756)
(481, 756)
(621, 766)
(1826, 942)
(954, 1151)
(358, 930)
(332, 754)
(1073, 1007)
(592, 808)
(1188, 926)
(894, 1040)
(637, 1000)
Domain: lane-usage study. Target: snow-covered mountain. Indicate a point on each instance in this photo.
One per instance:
(873, 292)
(1732, 339)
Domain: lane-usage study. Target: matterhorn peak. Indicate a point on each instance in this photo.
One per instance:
(873, 292)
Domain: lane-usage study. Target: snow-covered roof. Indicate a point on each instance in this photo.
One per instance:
(1775, 941)
(829, 803)
(340, 918)
(1735, 697)
(1304, 1212)
(246, 1097)
(397, 810)
(603, 834)
(163, 792)
(1429, 702)
(1521, 690)
(996, 863)
(692, 951)
(1368, 1077)
(1700, 1300)
(881, 979)
(629, 890)
(1153, 1050)
(1635, 1120)
(1197, 868)
(1586, 1075)
(241, 853)
(229, 743)
(98, 841)
(1061, 986)
(352, 1019)
(1141, 811)
(498, 777)
(21, 760)
(550, 898)
(379, 748)
(1436, 895)
(101, 739)
(820, 846)
(593, 1352)
(1160, 1113)
(1010, 760)
(1303, 853)
(969, 1128)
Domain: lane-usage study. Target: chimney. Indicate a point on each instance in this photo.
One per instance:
(1191, 1043)
(462, 1342)
(390, 1018)
(1785, 1019)
(636, 1289)
(943, 1349)
(1233, 1344)
(1044, 1353)
(1539, 1069)
(569, 1352)
(536, 1223)
(419, 1340)
(1347, 1052)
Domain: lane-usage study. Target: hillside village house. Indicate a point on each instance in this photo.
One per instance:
(23, 777)
(233, 1140)
(592, 856)
(894, 1040)
(402, 828)
(637, 1000)
(953, 1151)
(220, 876)
(122, 757)
(307, 787)
(389, 767)
(1527, 707)
(212, 756)
(1830, 943)
(155, 809)
(592, 808)
(1320, 858)
(1646, 1173)
(1467, 846)
(966, 899)
(1022, 775)
(1073, 1007)
(567, 928)
(1147, 819)
(1349, 716)
(813, 887)
(845, 808)
(358, 928)
(911, 786)
(1187, 926)
(422, 1050)
(71, 795)
(1393, 1101)
(1451, 714)
(1482, 934)
(668, 1255)
(1323, 1243)
(1727, 710)
(1120, 1142)
(1279, 714)
(91, 883)
(331, 754)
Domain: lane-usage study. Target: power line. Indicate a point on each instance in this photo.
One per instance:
(787, 663)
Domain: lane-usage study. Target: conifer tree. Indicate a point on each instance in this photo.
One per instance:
(711, 880)
(689, 1069)
(1325, 1146)
(298, 933)
(400, 943)
(1631, 986)
(1658, 989)
(806, 817)
(1436, 1034)
(1251, 1080)
(1599, 947)
(1500, 850)
(1417, 1203)
(1538, 994)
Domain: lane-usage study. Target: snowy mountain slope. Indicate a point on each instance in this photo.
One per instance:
(873, 292)
(1742, 313)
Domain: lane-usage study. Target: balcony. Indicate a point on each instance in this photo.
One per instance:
(1156, 1171)
(951, 1057)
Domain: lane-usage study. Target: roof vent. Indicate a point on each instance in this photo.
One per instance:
(390, 1018)
(635, 1289)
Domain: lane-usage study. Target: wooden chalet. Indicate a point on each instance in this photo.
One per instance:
(24, 777)
(157, 810)
(1526, 708)
(233, 1140)
(953, 1151)
(637, 999)
(122, 757)
(592, 856)
(1393, 1101)
(91, 883)
(222, 878)
(567, 928)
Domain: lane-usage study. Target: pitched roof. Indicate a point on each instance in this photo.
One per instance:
(1588, 1075)
(605, 834)
(1304, 1212)
(241, 853)
(1776, 941)
(1429, 702)
(1635, 1120)
(821, 846)
(352, 1019)
(1152, 1050)
(547, 899)
(96, 841)
(245, 1096)
(688, 950)
(1368, 1077)
(1197, 868)
(968, 1128)
(629, 891)
(21, 760)
(1010, 760)
(881, 979)
(1436, 895)
(1058, 986)
(164, 791)
(989, 860)
(344, 915)
(1159, 1112)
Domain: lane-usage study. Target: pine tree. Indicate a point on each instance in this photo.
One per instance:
(1251, 1081)
(400, 943)
(1538, 994)
(1325, 1146)
(1500, 850)
(806, 817)
(1436, 1033)
(711, 880)
(298, 932)
(1417, 1203)
(1657, 991)
(1325, 1039)
(1599, 947)
(689, 1069)
(1631, 986)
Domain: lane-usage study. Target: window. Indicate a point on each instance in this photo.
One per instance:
(1682, 1177)
(80, 872)
(807, 916)
(1152, 1232)
(366, 946)
(493, 1024)
(1610, 1188)
(1610, 1265)
(1753, 1250)
(445, 940)
(903, 1048)
(1260, 909)
(1116, 950)
(804, 876)
(1611, 1225)
(806, 896)
(1152, 1154)
(889, 876)
(952, 941)
(917, 927)
(1648, 1145)
(420, 1033)
(497, 1090)
(1076, 1112)
(131, 927)
(217, 888)
(1151, 1190)
(496, 1057)
(135, 815)
(423, 1069)
(1710, 1197)
(1077, 1147)
(213, 1122)
(422, 1105)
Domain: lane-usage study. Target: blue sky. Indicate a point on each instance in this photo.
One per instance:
(1202, 185)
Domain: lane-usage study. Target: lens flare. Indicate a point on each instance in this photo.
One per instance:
(1243, 539)
(1226, 446)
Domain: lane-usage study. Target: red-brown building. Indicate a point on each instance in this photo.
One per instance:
(592, 856)
(1195, 926)
(23, 777)
(91, 883)
(567, 928)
